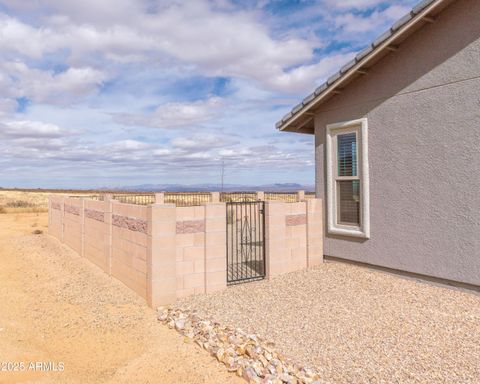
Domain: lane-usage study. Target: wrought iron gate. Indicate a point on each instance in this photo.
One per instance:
(245, 241)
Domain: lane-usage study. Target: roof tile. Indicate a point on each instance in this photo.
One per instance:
(400, 23)
(382, 38)
(308, 99)
(421, 6)
(348, 66)
(363, 53)
(333, 78)
(321, 88)
(297, 108)
(287, 116)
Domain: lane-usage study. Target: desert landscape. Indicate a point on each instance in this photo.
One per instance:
(59, 309)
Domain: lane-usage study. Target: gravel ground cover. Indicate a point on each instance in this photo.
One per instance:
(356, 325)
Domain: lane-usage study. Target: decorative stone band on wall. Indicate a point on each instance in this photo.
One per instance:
(292, 220)
(130, 223)
(95, 215)
(72, 209)
(190, 226)
(56, 206)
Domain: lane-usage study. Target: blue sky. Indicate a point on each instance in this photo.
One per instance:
(125, 92)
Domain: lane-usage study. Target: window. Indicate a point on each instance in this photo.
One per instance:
(347, 179)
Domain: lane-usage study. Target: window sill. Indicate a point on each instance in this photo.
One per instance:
(352, 232)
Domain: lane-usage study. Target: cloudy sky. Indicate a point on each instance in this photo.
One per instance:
(126, 92)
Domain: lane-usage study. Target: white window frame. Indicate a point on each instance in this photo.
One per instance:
(360, 126)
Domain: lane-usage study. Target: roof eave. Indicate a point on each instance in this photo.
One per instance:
(383, 43)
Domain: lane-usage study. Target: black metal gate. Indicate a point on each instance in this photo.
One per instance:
(245, 241)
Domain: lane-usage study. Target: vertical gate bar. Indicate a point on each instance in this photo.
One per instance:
(254, 243)
(260, 231)
(231, 235)
(249, 271)
(251, 242)
(235, 234)
(254, 254)
(263, 238)
(249, 246)
(257, 238)
(226, 238)
(231, 243)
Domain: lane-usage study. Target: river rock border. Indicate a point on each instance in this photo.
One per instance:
(247, 355)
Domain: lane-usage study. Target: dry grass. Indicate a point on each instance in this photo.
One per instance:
(25, 201)
(19, 201)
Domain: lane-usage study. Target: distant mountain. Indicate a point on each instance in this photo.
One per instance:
(277, 187)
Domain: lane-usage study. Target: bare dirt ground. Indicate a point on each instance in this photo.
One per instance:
(57, 307)
(357, 325)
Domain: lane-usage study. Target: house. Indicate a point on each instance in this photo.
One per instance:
(397, 146)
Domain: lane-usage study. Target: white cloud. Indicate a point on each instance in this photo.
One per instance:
(128, 145)
(174, 115)
(47, 87)
(7, 106)
(353, 23)
(31, 129)
(212, 40)
(98, 67)
(307, 76)
(352, 3)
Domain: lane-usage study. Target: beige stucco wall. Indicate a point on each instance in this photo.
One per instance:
(422, 103)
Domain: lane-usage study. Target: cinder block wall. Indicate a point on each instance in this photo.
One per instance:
(96, 233)
(72, 223)
(159, 251)
(293, 236)
(190, 250)
(163, 252)
(129, 246)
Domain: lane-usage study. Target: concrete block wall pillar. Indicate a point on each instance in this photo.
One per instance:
(62, 218)
(260, 195)
(109, 229)
(50, 214)
(160, 198)
(82, 226)
(161, 255)
(314, 213)
(300, 195)
(275, 233)
(215, 197)
(215, 247)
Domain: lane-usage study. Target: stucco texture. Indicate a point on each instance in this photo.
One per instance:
(422, 103)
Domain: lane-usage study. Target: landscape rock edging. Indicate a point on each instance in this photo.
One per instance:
(248, 355)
